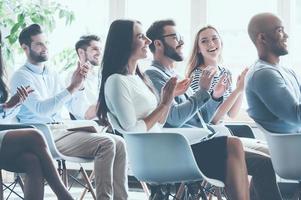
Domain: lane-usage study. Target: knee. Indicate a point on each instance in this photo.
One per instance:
(36, 138)
(107, 144)
(266, 164)
(120, 144)
(235, 147)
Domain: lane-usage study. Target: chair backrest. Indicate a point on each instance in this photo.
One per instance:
(114, 123)
(14, 126)
(285, 153)
(161, 158)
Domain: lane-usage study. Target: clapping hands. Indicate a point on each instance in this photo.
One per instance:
(79, 76)
(168, 91)
(221, 86)
(240, 84)
(19, 97)
(182, 86)
(206, 77)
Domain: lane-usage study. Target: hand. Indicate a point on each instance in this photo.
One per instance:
(182, 86)
(167, 92)
(221, 86)
(79, 76)
(91, 112)
(19, 97)
(206, 77)
(240, 83)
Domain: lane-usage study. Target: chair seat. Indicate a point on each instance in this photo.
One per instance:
(285, 153)
(162, 158)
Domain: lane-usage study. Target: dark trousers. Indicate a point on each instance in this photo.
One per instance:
(263, 185)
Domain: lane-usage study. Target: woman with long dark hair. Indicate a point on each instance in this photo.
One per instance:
(24, 150)
(126, 94)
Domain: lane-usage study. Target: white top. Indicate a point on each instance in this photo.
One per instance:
(129, 100)
(90, 93)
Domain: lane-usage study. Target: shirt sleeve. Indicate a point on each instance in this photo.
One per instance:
(180, 112)
(271, 88)
(119, 101)
(78, 105)
(34, 102)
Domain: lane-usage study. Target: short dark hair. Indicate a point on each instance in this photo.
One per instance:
(84, 41)
(27, 32)
(156, 30)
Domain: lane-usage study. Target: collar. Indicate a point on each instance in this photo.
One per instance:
(267, 63)
(35, 68)
(167, 71)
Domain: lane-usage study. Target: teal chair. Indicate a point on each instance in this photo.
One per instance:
(61, 160)
(285, 154)
(164, 158)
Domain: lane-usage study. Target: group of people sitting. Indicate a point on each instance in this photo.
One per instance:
(148, 101)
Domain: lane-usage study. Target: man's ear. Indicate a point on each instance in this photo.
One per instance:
(24, 47)
(81, 55)
(261, 38)
(158, 44)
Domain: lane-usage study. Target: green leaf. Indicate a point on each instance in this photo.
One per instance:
(21, 18)
(14, 29)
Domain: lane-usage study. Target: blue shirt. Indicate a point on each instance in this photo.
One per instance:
(274, 97)
(44, 105)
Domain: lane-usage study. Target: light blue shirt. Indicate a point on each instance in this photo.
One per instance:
(44, 105)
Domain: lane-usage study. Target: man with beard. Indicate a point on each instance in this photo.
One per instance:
(88, 49)
(45, 105)
(166, 47)
(273, 92)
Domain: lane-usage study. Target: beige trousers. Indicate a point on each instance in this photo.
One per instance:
(110, 160)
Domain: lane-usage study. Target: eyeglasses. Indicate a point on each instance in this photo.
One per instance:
(176, 36)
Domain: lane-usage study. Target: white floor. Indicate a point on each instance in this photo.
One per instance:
(76, 192)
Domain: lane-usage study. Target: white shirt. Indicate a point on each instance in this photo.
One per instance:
(91, 92)
(129, 100)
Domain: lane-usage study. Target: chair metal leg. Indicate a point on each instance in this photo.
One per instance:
(297, 194)
(89, 185)
(20, 182)
(218, 193)
(64, 173)
(145, 188)
(11, 188)
(92, 175)
(180, 191)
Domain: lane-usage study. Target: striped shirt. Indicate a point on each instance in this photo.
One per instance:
(221, 70)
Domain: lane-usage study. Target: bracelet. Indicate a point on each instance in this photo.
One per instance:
(218, 99)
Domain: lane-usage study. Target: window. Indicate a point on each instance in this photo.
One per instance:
(178, 10)
(91, 17)
(295, 38)
(231, 19)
